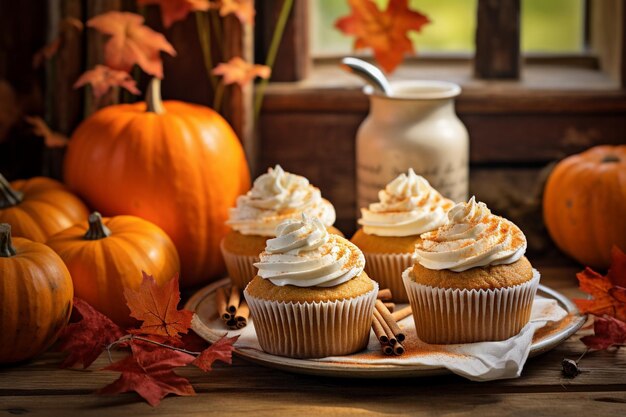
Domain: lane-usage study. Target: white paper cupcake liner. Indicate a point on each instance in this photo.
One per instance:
(449, 315)
(313, 330)
(386, 269)
(240, 268)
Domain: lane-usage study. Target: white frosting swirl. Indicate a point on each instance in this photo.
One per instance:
(408, 206)
(473, 237)
(274, 197)
(304, 254)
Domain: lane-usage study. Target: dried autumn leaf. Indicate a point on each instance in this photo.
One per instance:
(243, 9)
(149, 371)
(383, 31)
(102, 79)
(87, 335)
(608, 298)
(241, 72)
(66, 27)
(608, 332)
(222, 350)
(175, 10)
(156, 306)
(51, 139)
(617, 271)
(131, 42)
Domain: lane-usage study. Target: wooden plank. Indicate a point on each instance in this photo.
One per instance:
(497, 39)
(293, 60)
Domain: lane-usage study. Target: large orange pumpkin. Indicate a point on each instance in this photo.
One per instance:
(105, 256)
(35, 297)
(584, 204)
(177, 165)
(38, 208)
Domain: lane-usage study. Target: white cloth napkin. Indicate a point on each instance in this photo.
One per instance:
(484, 361)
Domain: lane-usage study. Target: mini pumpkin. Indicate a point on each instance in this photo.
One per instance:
(35, 297)
(584, 204)
(39, 207)
(178, 165)
(105, 256)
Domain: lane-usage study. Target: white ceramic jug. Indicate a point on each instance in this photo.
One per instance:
(415, 127)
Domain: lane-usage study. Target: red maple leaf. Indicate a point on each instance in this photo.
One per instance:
(131, 42)
(608, 297)
(175, 10)
(608, 331)
(156, 307)
(102, 78)
(149, 371)
(383, 31)
(86, 337)
(241, 72)
(222, 350)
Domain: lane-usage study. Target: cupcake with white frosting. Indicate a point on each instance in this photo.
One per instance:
(408, 207)
(275, 196)
(471, 281)
(311, 297)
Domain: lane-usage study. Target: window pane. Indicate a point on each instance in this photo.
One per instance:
(552, 25)
(452, 27)
(547, 26)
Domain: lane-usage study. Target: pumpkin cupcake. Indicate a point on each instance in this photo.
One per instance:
(311, 298)
(408, 206)
(471, 281)
(274, 197)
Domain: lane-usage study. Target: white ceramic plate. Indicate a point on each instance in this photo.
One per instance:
(202, 303)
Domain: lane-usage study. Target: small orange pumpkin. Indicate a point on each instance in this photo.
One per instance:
(38, 208)
(178, 165)
(584, 204)
(35, 297)
(106, 256)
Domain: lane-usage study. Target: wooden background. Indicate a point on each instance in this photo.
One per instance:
(516, 134)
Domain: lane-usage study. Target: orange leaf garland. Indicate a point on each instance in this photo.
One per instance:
(157, 308)
(175, 10)
(608, 297)
(102, 79)
(131, 42)
(383, 31)
(241, 72)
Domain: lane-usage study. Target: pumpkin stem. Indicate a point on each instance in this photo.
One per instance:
(610, 158)
(97, 229)
(6, 245)
(154, 103)
(8, 196)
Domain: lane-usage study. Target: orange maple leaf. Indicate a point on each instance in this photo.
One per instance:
(609, 297)
(131, 42)
(156, 306)
(383, 31)
(175, 10)
(241, 72)
(243, 9)
(103, 78)
(40, 128)
(66, 27)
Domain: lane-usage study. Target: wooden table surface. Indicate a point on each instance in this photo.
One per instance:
(40, 388)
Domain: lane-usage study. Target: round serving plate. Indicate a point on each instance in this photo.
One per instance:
(202, 303)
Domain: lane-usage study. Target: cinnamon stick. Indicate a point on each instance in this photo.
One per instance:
(379, 331)
(384, 294)
(389, 321)
(402, 313)
(390, 336)
(398, 349)
(387, 350)
(220, 302)
(233, 301)
(390, 306)
(232, 323)
(242, 314)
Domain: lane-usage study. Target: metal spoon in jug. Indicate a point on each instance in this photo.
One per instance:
(368, 72)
